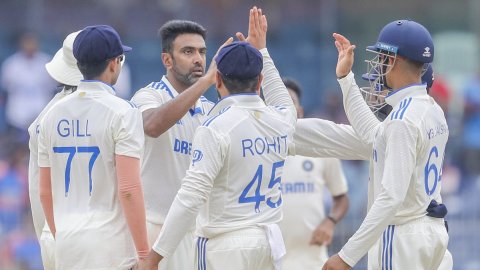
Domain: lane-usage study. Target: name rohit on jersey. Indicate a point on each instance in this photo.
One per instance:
(263, 145)
(73, 128)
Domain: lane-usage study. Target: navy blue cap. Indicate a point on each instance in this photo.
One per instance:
(406, 38)
(239, 60)
(98, 43)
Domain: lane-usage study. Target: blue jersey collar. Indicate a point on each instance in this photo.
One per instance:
(246, 100)
(411, 90)
(167, 86)
(89, 85)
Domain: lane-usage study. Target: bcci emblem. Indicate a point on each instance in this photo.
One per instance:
(307, 165)
(197, 156)
(427, 52)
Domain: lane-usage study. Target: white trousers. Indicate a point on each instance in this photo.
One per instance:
(420, 244)
(311, 257)
(182, 258)
(47, 248)
(246, 249)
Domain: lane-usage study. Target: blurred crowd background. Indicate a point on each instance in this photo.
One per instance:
(301, 45)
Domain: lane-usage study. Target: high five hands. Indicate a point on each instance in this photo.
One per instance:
(257, 29)
(345, 55)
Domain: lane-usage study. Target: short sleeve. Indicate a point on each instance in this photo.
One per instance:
(128, 133)
(334, 177)
(146, 99)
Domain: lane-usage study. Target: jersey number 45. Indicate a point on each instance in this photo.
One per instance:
(257, 198)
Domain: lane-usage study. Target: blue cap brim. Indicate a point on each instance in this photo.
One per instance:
(372, 48)
(126, 48)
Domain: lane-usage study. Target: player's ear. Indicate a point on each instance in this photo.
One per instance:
(218, 80)
(112, 64)
(259, 84)
(167, 60)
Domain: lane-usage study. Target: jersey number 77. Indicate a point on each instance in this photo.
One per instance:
(72, 150)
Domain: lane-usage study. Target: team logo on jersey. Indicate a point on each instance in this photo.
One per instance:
(307, 165)
(427, 52)
(197, 156)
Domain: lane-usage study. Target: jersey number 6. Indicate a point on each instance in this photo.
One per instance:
(432, 168)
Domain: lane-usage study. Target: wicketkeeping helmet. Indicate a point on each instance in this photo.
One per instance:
(406, 38)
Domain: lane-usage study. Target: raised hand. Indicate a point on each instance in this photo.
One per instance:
(257, 29)
(345, 55)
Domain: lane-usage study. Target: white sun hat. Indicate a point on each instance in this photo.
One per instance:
(63, 66)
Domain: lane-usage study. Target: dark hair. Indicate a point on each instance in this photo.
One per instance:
(92, 70)
(236, 86)
(171, 29)
(293, 85)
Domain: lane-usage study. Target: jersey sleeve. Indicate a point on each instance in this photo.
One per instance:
(274, 90)
(128, 133)
(400, 160)
(44, 146)
(358, 113)
(147, 98)
(322, 138)
(334, 177)
(207, 160)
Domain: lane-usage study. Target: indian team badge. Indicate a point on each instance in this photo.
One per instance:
(197, 156)
(307, 165)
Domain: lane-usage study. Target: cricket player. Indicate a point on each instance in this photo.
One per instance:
(89, 150)
(171, 111)
(64, 70)
(238, 156)
(306, 229)
(384, 110)
(404, 226)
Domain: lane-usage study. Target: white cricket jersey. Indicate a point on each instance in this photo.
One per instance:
(303, 183)
(237, 161)
(79, 138)
(406, 160)
(166, 158)
(33, 176)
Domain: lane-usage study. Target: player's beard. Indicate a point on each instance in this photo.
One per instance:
(189, 78)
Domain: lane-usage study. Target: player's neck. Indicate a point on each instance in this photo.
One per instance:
(105, 78)
(404, 79)
(177, 85)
